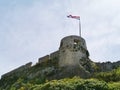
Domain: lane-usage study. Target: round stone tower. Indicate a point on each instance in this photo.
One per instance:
(72, 49)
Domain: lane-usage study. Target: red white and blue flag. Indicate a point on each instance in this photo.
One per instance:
(74, 17)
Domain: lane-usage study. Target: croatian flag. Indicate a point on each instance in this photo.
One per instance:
(74, 17)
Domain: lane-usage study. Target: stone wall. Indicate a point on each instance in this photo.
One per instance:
(108, 66)
(48, 57)
(19, 69)
(72, 49)
(43, 59)
(54, 55)
(28, 65)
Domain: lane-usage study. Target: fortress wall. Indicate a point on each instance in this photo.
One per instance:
(48, 57)
(108, 66)
(116, 64)
(43, 59)
(28, 65)
(19, 69)
(54, 54)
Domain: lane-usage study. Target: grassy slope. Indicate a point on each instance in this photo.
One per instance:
(103, 81)
(74, 83)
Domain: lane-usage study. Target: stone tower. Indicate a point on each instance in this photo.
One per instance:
(72, 49)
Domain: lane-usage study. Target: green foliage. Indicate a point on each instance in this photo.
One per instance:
(29, 81)
(114, 75)
(75, 83)
(5, 83)
(114, 85)
(19, 85)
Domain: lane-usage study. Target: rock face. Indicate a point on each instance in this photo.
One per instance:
(72, 49)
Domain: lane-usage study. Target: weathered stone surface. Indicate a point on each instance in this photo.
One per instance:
(72, 49)
(108, 66)
(18, 70)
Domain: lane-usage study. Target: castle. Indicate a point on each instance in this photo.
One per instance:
(72, 59)
(72, 49)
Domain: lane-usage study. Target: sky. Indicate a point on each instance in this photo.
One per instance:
(30, 29)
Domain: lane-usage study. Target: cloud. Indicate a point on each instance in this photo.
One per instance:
(28, 33)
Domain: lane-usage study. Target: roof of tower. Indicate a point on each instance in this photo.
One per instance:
(73, 36)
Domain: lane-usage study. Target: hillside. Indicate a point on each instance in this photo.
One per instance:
(39, 75)
(61, 70)
(75, 83)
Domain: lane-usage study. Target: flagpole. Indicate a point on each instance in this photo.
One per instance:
(79, 28)
(78, 18)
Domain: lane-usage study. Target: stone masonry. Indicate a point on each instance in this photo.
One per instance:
(72, 49)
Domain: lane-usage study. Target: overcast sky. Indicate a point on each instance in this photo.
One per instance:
(30, 29)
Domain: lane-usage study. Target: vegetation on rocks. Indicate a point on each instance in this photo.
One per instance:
(75, 83)
(100, 81)
(48, 76)
(112, 76)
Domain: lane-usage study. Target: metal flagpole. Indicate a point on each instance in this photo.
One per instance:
(79, 28)
(78, 18)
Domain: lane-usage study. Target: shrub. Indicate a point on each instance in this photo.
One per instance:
(114, 75)
(114, 85)
(75, 83)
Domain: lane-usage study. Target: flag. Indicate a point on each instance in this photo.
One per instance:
(75, 17)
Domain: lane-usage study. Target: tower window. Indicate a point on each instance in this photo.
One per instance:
(76, 44)
(76, 41)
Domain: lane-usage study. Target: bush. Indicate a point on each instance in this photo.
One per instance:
(114, 85)
(75, 83)
(114, 75)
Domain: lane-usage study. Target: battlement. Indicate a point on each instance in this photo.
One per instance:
(48, 57)
(70, 42)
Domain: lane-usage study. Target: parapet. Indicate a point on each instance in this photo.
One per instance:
(54, 55)
(71, 41)
(43, 59)
(48, 57)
